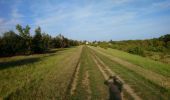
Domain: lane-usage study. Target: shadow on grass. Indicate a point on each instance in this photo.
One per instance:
(56, 50)
(28, 60)
(4, 65)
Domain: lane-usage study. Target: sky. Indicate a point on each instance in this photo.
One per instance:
(89, 19)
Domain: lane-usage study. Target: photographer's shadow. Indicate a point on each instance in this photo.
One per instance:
(114, 88)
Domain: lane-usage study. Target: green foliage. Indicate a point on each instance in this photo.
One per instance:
(26, 38)
(14, 44)
(139, 47)
(37, 41)
(165, 38)
(156, 49)
(104, 45)
(10, 43)
(137, 51)
(168, 44)
(46, 40)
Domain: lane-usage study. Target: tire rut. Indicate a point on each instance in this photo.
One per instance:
(74, 84)
(104, 69)
(86, 84)
(156, 78)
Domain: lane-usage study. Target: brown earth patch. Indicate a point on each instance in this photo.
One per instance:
(86, 84)
(74, 84)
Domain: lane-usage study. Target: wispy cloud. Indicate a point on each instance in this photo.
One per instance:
(90, 17)
(163, 4)
(15, 18)
(94, 19)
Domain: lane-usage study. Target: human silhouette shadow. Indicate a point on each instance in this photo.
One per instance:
(114, 88)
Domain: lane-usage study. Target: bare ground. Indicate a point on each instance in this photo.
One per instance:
(86, 84)
(74, 84)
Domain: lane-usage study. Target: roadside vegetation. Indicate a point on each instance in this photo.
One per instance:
(157, 48)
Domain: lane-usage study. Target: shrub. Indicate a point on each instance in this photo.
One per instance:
(156, 49)
(137, 51)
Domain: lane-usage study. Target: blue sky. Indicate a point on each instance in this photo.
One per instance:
(89, 19)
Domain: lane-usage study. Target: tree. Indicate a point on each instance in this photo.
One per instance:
(46, 41)
(23, 43)
(166, 39)
(37, 41)
(10, 43)
(1, 46)
(20, 30)
(26, 38)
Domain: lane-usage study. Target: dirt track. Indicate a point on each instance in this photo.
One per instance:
(74, 84)
(105, 69)
(87, 85)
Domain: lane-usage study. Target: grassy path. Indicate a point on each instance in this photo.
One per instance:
(90, 82)
(106, 71)
(79, 73)
(153, 76)
(144, 87)
(45, 79)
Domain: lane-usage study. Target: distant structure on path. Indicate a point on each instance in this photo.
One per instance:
(87, 43)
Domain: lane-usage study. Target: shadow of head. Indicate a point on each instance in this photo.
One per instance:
(115, 88)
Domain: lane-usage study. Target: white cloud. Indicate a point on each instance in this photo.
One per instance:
(91, 18)
(101, 18)
(162, 5)
(9, 24)
(15, 14)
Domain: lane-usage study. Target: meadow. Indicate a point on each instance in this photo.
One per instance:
(78, 73)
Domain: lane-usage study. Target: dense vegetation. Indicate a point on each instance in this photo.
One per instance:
(12, 43)
(156, 48)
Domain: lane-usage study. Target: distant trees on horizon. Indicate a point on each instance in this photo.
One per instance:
(23, 43)
(139, 47)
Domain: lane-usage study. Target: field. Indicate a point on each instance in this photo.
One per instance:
(78, 73)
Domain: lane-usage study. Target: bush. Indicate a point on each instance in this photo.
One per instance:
(168, 44)
(156, 49)
(137, 51)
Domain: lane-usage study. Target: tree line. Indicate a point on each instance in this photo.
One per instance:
(23, 43)
(139, 47)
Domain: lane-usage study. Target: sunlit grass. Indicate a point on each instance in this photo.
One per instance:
(146, 63)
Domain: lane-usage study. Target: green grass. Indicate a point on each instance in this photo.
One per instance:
(96, 81)
(146, 63)
(48, 76)
(145, 88)
(38, 76)
(125, 93)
